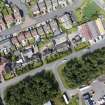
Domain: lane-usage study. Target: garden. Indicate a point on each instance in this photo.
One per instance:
(29, 67)
(88, 11)
(56, 56)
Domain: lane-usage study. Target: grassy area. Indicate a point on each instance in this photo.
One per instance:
(82, 45)
(88, 11)
(8, 76)
(60, 68)
(59, 100)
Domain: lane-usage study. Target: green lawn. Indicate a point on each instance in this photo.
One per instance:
(60, 68)
(74, 100)
(88, 11)
(81, 46)
(6, 10)
(59, 100)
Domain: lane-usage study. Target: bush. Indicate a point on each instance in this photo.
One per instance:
(56, 56)
(28, 67)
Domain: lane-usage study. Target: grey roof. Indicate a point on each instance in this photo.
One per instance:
(55, 27)
(5, 44)
(47, 28)
(94, 29)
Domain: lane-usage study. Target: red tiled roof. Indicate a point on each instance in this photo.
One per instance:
(14, 40)
(33, 33)
(85, 31)
(27, 34)
(9, 18)
(21, 36)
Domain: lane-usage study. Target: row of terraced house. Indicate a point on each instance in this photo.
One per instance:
(41, 7)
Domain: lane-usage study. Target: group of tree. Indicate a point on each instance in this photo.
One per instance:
(35, 90)
(83, 70)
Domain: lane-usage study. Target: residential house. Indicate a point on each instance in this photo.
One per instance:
(9, 20)
(49, 5)
(61, 43)
(85, 31)
(92, 31)
(55, 4)
(55, 28)
(47, 51)
(29, 37)
(42, 7)
(30, 52)
(22, 39)
(70, 1)
(62, 3)
(2, 25)
(15, 42)
(17, 14)
(5, 46)
(41, 31)
(35, 10)
(47, 28)
(65, 21)
(33, 32)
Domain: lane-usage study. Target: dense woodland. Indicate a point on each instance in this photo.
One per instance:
(35, 90)
(83, 70)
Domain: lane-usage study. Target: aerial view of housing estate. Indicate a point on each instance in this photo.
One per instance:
(52, 52)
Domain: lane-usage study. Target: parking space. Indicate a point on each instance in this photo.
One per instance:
(95, 92)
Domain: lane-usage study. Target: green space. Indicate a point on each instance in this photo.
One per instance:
(43, 43)
(89, 10)
(56, 56)
(4, 9)
(81, 46)
(74, 100)
(60, 101)
(29, 67)
(8, 76)
(83, 70)
(31, 3)
(35, 90)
